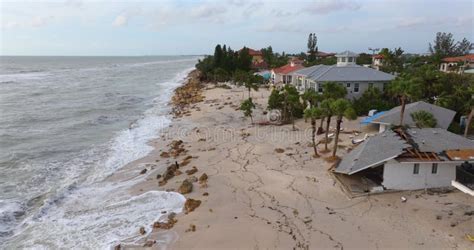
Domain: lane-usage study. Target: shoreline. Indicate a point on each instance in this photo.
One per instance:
(254, 197)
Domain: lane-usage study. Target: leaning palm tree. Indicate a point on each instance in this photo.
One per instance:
(341, 108)
(424, 119)
(405, 88)
(313, 114)
(331, 91)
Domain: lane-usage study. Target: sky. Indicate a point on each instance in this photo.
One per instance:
(165, 27)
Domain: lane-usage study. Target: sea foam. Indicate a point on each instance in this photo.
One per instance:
(95, 213)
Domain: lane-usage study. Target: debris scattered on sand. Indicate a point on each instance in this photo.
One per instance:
(279, 150)
(403, 199)
(149, 243)
(143, 171)
(192, 228)
(205, 194)
(142, 230)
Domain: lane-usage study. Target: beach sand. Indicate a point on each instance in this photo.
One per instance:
(261, 199)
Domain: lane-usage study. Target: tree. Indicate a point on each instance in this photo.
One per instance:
(247, 107)
(372, 98)
(341, 108)
(405, 88)
(364, 58)
(244, 60)
(327, 113)
(313, 113)
(288, 102)
(331, 91)
(423, 119)
(311, 98)
(292, 104)
(312, 47)
(392, 60)
(444, 45)
(218, 56)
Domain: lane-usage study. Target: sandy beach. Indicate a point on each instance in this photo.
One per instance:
(265, 190)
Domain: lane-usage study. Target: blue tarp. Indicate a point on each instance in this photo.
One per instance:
(369, 119)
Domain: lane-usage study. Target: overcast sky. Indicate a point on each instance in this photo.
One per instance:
(162, 27)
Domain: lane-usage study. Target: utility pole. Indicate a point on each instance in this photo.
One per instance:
(374, 50)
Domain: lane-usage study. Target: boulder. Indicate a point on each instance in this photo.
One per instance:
(192, 171)
(186, 187)
(192, 179)
(191, 204)
(203, 178)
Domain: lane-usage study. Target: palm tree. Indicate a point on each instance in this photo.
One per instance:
(326, 108)
(423, 119)
(341, 108)
(405, 88)
(331, 90)
(313, 114)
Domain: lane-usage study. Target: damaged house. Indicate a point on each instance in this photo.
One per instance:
(406, 160)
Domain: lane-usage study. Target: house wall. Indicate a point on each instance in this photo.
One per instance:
(399, 176)
(301, 83)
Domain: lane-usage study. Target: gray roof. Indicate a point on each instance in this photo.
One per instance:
(443, 116)
(334, 73)
(388, 145)
(373, 151)
(438, 140)
(347, 53)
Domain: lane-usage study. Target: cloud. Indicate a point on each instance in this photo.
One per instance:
(207, 11)
(120, 21)
(284, 27)
(411, 22)
(328, 6)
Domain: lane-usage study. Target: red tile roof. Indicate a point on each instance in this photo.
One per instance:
(285, 69)
(377, 56)
(469, 58)
(253, 52)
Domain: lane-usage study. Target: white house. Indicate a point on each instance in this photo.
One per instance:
(457, 64)
(377, 61)
(283, 73)
(346, 72)
(409, 159)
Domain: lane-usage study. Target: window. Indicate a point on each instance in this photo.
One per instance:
(385, 86)
(348, 85)
(343, 59)
(416, 168)
(434, 168)
(320, 88)
(356, 87)
(350, 59)
(289, 79)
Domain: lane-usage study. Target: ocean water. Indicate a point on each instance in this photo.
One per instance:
(66, 124)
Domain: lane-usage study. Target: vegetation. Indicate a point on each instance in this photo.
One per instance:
(445, 46)
(424, 119)
(313, 113)
(393, 60)
(364, 58)
(341, 108)
(247, 107)
(274, 60)
(222, 65)
(331, 92)
(405, 88)
(312, 47)
(287, 100)
(372, 98)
